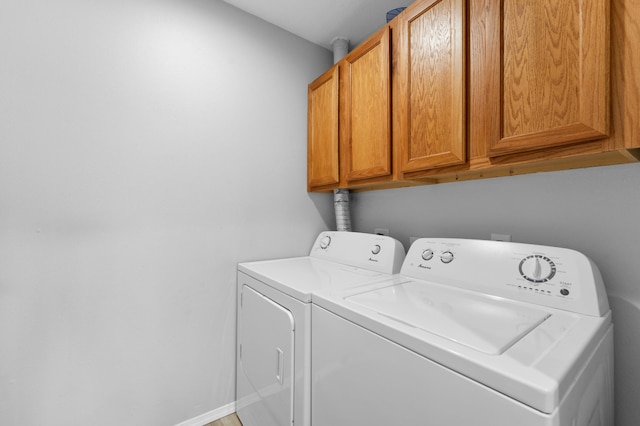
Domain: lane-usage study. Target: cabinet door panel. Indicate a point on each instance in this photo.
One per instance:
(431, 87)
(554, 70)
(366, 116)
(322, 139)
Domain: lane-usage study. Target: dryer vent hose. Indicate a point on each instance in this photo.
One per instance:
(343, 214)
(340, 46)
(341, 196)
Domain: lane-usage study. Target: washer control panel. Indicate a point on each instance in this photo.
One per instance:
(550, 276)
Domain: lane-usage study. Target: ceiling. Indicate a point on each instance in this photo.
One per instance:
(320, 21)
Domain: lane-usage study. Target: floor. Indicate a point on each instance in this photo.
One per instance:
(230, 420)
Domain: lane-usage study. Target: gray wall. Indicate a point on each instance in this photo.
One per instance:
(146, 147)
(594, 211)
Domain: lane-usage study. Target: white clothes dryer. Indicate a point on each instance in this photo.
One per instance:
(471, 332)
(274, 320)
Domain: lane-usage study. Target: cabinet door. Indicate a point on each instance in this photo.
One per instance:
(365, 127)
(322, 128)
(430, 89)
(542, 72)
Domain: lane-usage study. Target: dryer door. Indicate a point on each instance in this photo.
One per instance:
(266, 337)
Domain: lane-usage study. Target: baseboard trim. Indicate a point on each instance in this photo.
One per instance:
(211, 416)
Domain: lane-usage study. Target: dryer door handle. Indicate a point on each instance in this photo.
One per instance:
(279, 365)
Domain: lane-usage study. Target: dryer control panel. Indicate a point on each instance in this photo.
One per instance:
(374, 252)
(549, 276)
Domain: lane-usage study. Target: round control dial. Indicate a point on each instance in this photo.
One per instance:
(325, 241)
(427, 254)
(375, 249)
(537, 268)
(446, 257)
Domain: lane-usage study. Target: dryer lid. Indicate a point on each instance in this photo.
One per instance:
(485, 323)
(299, 277)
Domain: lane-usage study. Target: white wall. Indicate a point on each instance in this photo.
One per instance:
(146, 146)
(594, 211)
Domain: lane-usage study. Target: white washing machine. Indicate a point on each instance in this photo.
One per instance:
(481, 333)
(274, 320)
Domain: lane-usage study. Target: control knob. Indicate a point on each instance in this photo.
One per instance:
(376, 249)
(446, 257)
(427, 254)
(325, 241)
(537, 268)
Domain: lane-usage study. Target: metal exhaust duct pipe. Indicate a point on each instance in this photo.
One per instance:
(340, 47)
(341, 196)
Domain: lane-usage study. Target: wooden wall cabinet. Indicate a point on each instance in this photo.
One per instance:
(322, 132)
(420, 124)
(365, 112)
(484, 88)
(349, 136)
(544, 71)
(430, 85)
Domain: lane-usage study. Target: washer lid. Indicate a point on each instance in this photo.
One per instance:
(485, 323)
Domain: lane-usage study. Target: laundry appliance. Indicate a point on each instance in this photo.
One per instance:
(471, 332)
(274, 320)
